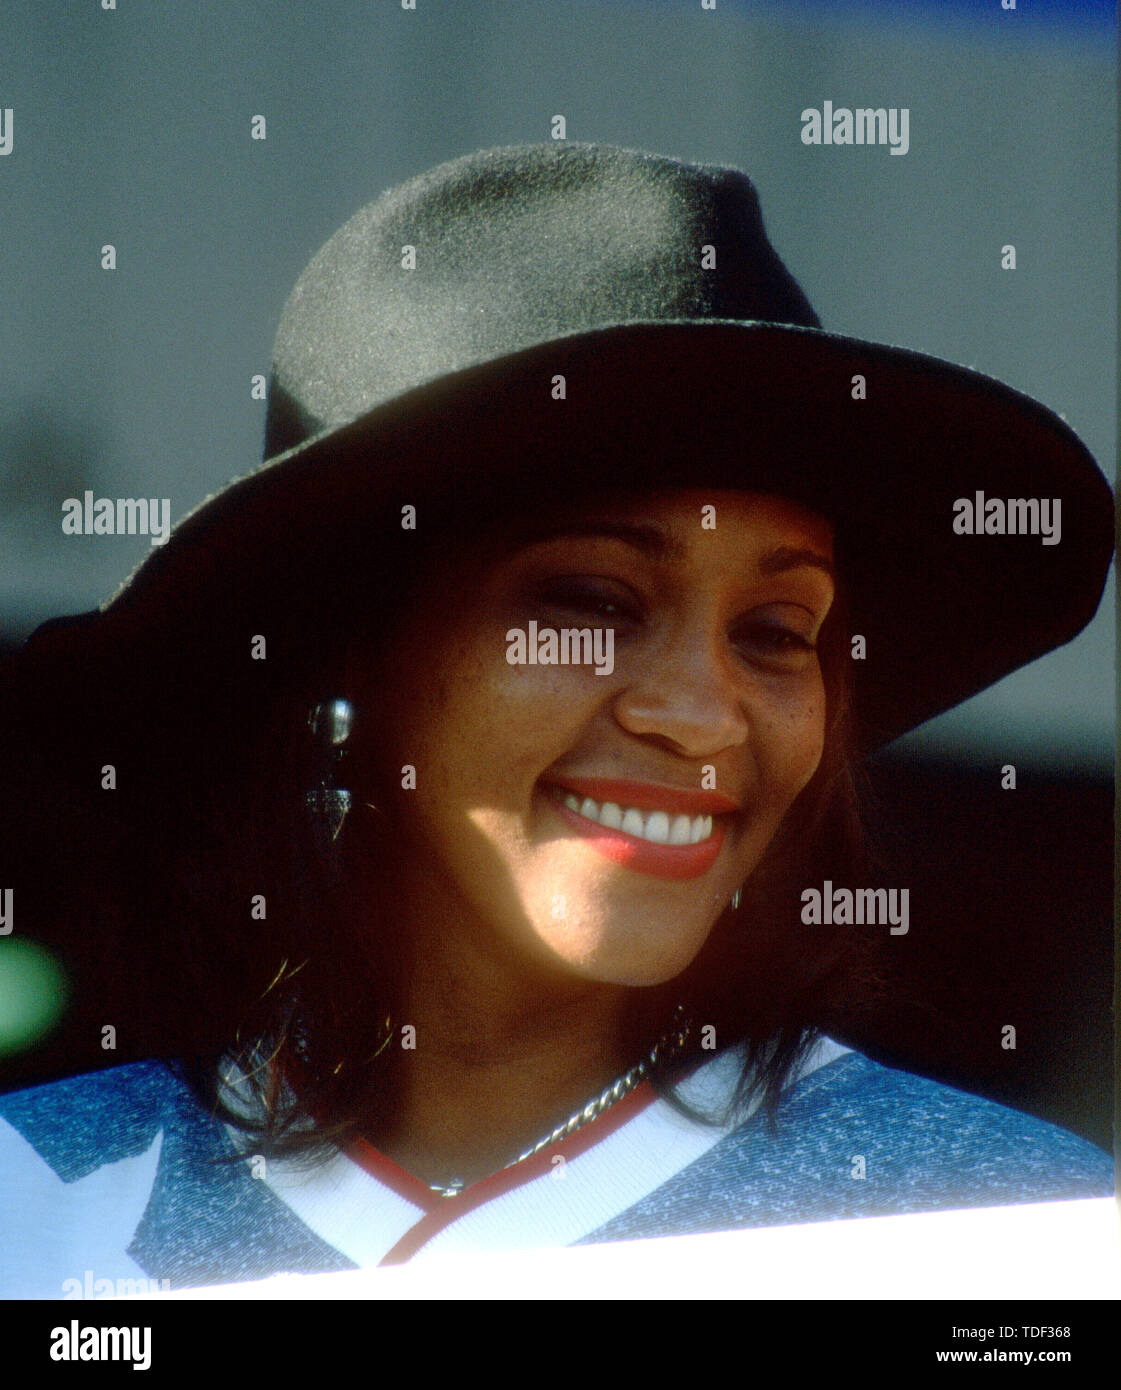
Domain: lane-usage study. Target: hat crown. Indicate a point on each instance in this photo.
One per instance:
(511, 248)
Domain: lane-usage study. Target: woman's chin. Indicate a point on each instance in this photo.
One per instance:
(633, 948)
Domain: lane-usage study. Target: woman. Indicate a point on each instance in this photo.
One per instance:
(492, 750)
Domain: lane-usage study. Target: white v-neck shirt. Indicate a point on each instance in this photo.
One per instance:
(117, 1180)
(373, 1211)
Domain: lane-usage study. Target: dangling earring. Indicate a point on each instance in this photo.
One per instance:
(736, 896)
(327, 802)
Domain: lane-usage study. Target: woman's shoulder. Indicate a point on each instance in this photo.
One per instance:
(80, 1123)
(79, 1159)
(910, 1115)
(123, 1174)
(855, 1138)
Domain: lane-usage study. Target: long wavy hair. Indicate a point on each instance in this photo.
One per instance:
(296, 978)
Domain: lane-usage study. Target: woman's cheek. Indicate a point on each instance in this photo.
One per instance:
(503, 727)
(530, 690)
(812, 737)
(794, 740)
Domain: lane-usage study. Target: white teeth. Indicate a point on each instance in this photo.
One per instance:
(655, 826)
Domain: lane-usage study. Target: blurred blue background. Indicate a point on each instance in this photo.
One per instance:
(131, 127)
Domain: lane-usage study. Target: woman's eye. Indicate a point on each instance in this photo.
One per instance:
(775, 642)
(589, 598)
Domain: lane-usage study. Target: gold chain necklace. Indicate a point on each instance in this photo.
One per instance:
(669, 1045)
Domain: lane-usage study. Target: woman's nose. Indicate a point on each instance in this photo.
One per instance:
(685, 694)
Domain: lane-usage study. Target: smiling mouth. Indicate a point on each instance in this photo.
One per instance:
(668, 835)
(656, 827)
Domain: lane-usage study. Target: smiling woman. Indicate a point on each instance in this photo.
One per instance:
(489, 953)
(536, 865)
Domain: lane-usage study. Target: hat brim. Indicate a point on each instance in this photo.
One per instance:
(722, 404)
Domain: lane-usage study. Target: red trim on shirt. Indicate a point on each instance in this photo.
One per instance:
(392, 1175)
(441, 1212)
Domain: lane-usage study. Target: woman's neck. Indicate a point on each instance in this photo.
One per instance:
(489, 1060)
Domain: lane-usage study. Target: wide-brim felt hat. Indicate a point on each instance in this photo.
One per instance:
(563, 320)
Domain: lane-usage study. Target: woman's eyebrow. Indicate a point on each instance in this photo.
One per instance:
(650, 540)
(653, 542)
(790, 557)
